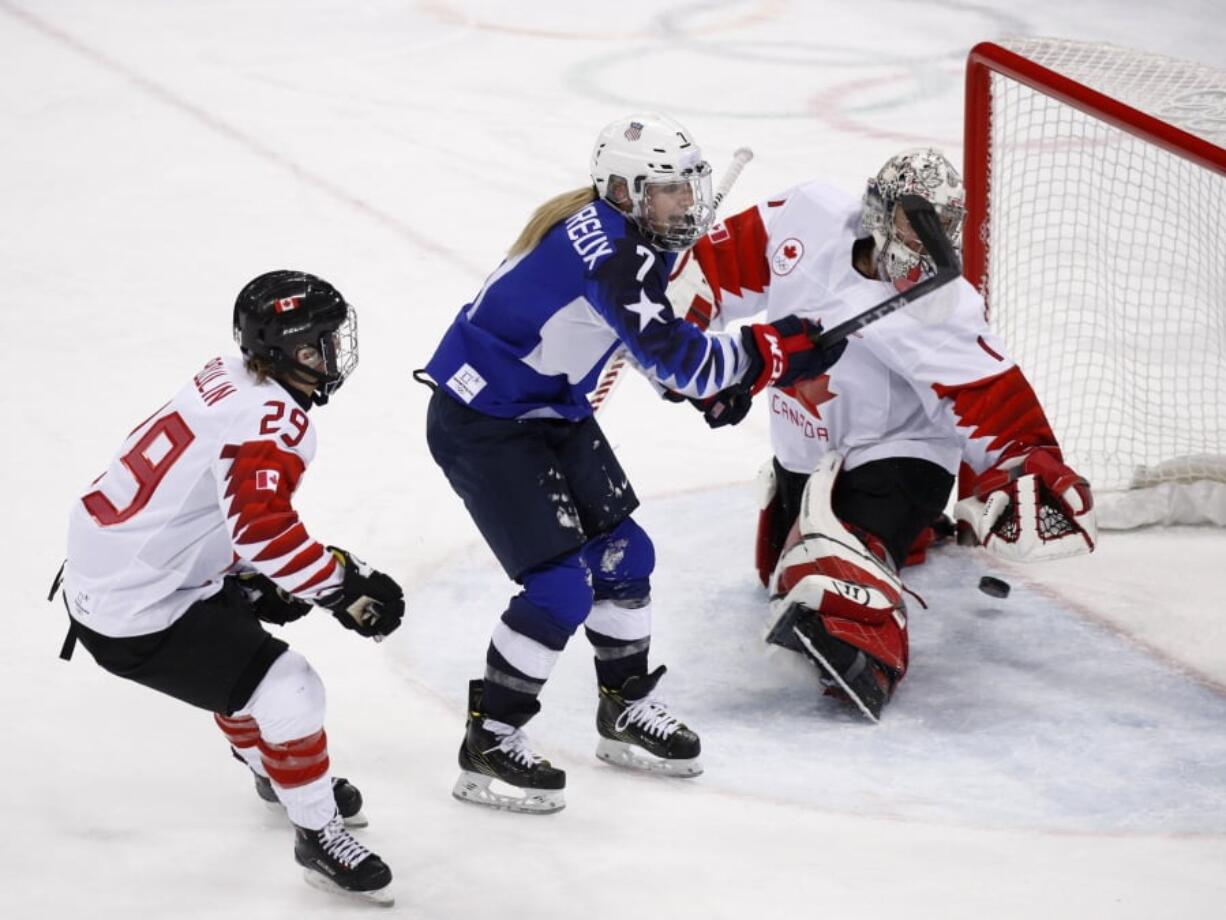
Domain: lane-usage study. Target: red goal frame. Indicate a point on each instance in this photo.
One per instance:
(987, 58)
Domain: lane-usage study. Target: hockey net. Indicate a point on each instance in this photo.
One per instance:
(1096, 188)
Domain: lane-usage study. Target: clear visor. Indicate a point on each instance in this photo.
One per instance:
(677, 211)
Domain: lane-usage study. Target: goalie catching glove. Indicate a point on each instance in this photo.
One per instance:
(368, 602)
(780, 354)
(1031, 507)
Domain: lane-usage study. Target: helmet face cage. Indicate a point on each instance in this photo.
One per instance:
(924, 172)
(665, 178)
(340, 351)
(280, 313)
(674, 213)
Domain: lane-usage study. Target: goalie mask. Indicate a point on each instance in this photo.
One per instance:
(901, 257)
(650, 167)
(302, 326)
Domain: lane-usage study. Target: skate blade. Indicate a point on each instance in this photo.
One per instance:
(476, 788)
(357, 819)
(380, 897)
(836, 677)
(632, 757)
(780, 632)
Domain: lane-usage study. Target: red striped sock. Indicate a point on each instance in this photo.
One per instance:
(298, 762)
(242, 732)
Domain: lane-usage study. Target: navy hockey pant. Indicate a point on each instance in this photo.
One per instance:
(553, 503)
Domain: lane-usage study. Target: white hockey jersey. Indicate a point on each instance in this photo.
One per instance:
(930, 381)
(200, 489)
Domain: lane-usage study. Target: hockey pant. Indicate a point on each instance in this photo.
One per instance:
(831, 572)
(605, 586)
(280, 734)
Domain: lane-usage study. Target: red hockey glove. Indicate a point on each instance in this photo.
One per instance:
(785, 351)
(368, 602)
(780, 354)
(1031, 507)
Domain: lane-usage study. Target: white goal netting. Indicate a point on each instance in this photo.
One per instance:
(1106, 275)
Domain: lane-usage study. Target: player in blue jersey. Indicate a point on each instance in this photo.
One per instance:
(511, 426)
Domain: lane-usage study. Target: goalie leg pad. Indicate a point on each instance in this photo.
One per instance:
(766, 547)
(856, 605)
(829, 573)
(779, 494)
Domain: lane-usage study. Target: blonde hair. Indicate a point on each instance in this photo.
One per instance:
(555, 209)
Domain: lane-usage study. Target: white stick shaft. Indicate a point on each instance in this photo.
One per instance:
(742, 156)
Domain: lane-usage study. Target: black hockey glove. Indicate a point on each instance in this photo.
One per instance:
(727, 407)
(368, 602)
(268, 602)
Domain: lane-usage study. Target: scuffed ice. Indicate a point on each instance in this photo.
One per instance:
(1015, 713)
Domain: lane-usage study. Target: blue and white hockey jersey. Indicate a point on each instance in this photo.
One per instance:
(534, 341)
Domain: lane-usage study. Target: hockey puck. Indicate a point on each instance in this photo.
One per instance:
(994, 587)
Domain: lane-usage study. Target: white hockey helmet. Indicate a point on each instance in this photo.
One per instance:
(666, 182)
(925, 172)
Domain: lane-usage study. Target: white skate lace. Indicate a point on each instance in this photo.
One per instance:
(651, 714)
(340, 844)
(513, 742)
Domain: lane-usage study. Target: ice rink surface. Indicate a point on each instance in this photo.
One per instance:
(1060, 753)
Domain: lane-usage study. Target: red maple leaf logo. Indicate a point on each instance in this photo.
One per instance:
(789, 252)
(812, 393)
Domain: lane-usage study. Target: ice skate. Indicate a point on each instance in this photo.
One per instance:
(637, 730)
(335, 862)
(348, 799)
(500, 770)
(779, 631)
(843, 669)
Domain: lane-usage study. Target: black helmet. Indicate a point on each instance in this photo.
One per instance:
(279, 312)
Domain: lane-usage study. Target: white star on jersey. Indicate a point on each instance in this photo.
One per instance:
(647, 309)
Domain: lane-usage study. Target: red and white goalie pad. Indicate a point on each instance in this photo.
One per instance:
(1030, 508)
(766, 551)
(829, 570)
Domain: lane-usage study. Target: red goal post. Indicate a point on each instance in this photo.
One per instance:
(1096, 231)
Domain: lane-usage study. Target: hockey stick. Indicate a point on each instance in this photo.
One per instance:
(740, 157)
(612, 373)
(927, 226)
